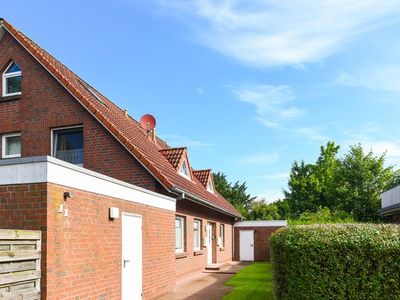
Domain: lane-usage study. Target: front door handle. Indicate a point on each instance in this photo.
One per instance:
(125, 262)
(251, 245)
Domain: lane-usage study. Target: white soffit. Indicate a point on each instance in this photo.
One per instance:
(272, 223)
(49, 169)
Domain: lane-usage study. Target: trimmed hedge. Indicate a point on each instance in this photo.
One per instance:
(337, 261)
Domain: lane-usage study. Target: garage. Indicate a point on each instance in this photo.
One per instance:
(252, 239)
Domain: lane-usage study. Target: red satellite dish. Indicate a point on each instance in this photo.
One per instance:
(148, 122)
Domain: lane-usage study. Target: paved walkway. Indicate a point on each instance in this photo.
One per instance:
(208, 285)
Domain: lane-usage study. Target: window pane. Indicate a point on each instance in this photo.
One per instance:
(178, 233)
(13, 145)
(196, 234)
(13, 68)
(13, 84)
(69, 146)
(184, 169)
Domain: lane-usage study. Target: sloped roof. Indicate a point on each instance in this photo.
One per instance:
(174, 155)
(124, 128)
(202, 176)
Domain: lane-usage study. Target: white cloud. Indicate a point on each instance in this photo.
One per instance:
(176, 140)
(374, 78)
(372, 137)
(266, 33)
(270, 102)
(311, 133)
(379, 147)
(261, 158)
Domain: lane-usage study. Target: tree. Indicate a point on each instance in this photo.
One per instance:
(323, 215)
(235, 193)
(352, 184)
(363, 177)
(302, 195)
(260, 210)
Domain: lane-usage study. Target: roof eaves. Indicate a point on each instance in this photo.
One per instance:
(206, 203)
(87, 105)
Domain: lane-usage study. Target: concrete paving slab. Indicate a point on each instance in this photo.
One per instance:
(208, 285)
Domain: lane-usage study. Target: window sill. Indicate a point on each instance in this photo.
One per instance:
(199, 252)
(180, 255)
(10, 98)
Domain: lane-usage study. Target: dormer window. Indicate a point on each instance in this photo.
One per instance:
(210, 186)
(12, 78)
(184, 170)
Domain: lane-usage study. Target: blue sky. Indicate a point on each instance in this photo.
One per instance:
(249, 86)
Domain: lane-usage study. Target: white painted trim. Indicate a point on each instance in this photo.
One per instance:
(9, 75)
(3, 145)
(200, 230)
(187, 176)
(272, 223)
(180, 250)
(52, 170)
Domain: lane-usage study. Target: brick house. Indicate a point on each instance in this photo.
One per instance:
(99, 186)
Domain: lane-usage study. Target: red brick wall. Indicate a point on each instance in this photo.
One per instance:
(261, 242)
(82, 252)
(45, 104)
(24, 207)
(190, 262)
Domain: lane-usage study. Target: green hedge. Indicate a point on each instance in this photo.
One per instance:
(338, 261)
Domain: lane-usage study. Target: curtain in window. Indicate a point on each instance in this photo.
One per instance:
(13, 145)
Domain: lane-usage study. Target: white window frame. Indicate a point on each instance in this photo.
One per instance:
(4, 142)
(222, 235)
(10, 75)
(63, 128)
(187, 176)
(198, 248)
(182, 249)
(210, 186)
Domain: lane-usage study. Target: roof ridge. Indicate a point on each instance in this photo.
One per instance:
(125, 131)
(173, 148)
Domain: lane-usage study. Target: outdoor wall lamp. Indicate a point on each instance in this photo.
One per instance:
(67, 195)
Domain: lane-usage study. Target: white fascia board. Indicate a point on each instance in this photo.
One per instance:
(272, 223)
(52, 170)
(391, 197)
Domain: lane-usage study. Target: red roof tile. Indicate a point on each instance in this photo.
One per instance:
(202, 176)
(174, 155)
(124, 128)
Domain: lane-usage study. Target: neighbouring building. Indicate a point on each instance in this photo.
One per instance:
(252, 239)
(122, 214)
(390, 204)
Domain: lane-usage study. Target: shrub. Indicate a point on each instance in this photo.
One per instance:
(323, 215)
(341, 261)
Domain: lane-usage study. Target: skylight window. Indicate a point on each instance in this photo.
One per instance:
(12, 78)
(184, 170)
(91, 91)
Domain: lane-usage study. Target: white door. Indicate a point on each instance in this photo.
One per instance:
(246, 243)
(209, 243)
(131, 257)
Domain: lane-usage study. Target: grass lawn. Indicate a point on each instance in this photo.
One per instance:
(252, 282)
